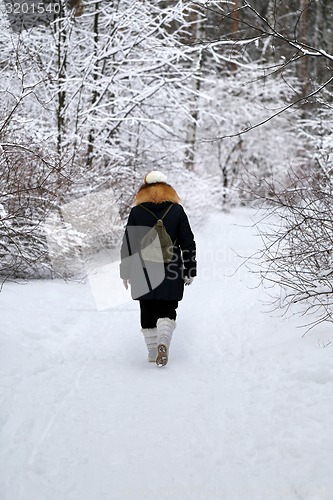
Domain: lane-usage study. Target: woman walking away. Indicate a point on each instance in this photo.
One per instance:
(158, 256)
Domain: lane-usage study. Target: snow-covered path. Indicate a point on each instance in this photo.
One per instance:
(243, 410)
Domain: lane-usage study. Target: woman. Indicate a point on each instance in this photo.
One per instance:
(158, 283)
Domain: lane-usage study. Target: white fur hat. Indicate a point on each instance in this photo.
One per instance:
(155, 176)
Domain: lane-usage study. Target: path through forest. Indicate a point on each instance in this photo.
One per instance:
(243, 410)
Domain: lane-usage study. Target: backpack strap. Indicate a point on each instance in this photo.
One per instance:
(161, 218)
(167, 211)
(158, 218)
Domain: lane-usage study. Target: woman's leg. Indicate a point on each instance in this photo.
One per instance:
(166, 323)
(152, 310)
(147, 314)
(149, 330)
(158, 321)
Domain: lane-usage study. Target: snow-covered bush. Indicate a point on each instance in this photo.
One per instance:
(251, 163)
(297, 253)
(90, 104)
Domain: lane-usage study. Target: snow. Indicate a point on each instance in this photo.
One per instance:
(243, 410)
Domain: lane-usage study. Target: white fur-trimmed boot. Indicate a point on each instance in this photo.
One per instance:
(150, 335)
(165, 328)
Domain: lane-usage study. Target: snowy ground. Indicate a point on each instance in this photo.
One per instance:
(242, 411)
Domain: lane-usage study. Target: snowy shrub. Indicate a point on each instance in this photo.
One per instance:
(90, 104)
(251, 163)
(93, 102)
(297, 253)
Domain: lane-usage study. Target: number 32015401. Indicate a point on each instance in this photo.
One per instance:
(32, 8)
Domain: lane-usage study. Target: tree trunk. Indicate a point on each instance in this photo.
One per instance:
(95, 93)
(270, 16)
(61, 34)
(234, 29)
(304, 38)
(197, 35)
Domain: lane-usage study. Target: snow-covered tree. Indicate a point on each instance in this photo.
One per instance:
(94, 101)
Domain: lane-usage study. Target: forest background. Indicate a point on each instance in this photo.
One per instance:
(232, 99)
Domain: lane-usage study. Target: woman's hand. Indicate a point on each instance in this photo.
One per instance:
(126, 283)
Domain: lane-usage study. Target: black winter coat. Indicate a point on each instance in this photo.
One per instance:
(154, 280)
